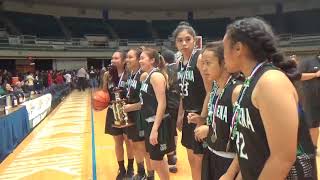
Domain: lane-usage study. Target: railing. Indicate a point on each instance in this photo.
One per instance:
(101, 42)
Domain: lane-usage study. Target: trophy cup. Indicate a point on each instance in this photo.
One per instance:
(121, 119)
(118, 101)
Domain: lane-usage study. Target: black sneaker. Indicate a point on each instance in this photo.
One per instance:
(121, 175)
(150, 178)
(172, 163)
(173, 168)
(139, 177)
(130, 174)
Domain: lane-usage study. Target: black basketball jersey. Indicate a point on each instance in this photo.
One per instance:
(251, 141)
(223, 119)
(133, 93)
(191, 84)
(118, 85)
(149, 100)
(133, 87)
(173, 91)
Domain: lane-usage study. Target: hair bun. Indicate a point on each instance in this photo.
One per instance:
(184, 23)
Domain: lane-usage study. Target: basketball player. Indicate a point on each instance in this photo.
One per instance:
(271, 142)
(192, 92)
(136, 133)
(173, 100)
(158, 132)
(216, 131)
(119, 136)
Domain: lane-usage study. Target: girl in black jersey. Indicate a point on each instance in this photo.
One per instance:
(216, 130)
(136, 133)
(271, 142)
(192, 94)
(119, 136)
(158, 132)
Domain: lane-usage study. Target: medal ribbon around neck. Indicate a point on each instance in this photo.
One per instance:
(140, 95)
(119, 83)
(219, 96)
(236, 109)
(131, 80)
(183, 79)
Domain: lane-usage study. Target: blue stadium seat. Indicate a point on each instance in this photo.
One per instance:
(82, 26)
(211, 28)
(131, 29)
(165, 28)
(44, 26)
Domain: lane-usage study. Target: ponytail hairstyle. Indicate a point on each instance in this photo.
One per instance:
(258, 36)
(159, 61)
(183, 26)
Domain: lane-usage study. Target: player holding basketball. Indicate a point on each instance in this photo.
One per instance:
(118, 81)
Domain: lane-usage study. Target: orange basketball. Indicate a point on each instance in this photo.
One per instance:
(100, 100)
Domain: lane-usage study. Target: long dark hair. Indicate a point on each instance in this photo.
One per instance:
(217, 48)
(159, 61)
(137, 51)
(260, 39)
(183, 26)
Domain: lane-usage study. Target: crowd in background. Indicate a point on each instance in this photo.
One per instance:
(11, 82)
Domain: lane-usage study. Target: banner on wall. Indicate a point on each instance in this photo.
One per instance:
(198, 45)
(38, 108)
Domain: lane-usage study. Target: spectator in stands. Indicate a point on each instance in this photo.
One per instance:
(311, 94)
(9, 89)
(30, 81)
(74, 80)
(20, 76)
(2, 91)
(103, 70)
(82, 74)
(68, 78)
(1, 77)
(93, 78)
(49, 78)
(59, 78)
(38, 83)
(6, 77)
(18, 87)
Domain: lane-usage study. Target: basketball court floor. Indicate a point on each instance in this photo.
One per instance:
(61, 147)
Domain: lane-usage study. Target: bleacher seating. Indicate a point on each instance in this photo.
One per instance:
(211, 28)
(165, 28)
(82, 26)
(303, 22)
(138, 31)
(129, 29)
(44, 26)
(2, 25)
